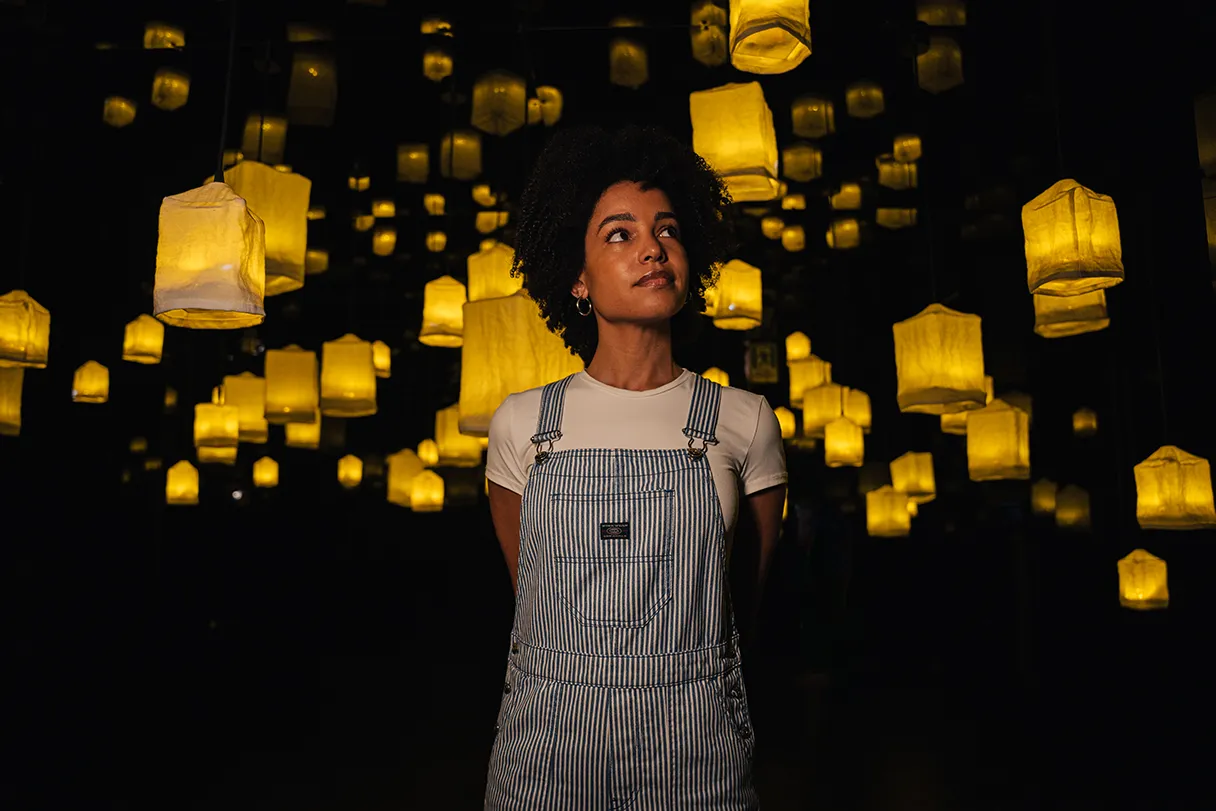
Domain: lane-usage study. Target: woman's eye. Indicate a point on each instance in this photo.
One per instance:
(619, 232)
(670, 230)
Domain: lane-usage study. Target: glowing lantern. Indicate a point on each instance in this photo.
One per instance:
(428, 453)
(312, 93)
(433, 204)
(797, 346)
(437, 26)
(939, 361)
(265, 472)
(1085, 422)
(281, 200)
(895, 175)
(265, 137)
(456, 449)
(771, 227)
(91, 383)
(25, 331)
(442, 313)
(181, 484)
(143, 340)
(348, 378)
(807, 373)
(483, 195)
(487, 221)
(403, 466)
(813, 117)
(550, 104)
(843, 444)
(499, 102)
(436, 64)
(847, 198)
(801, 162)
(998, 443)
(233, 157)
(304, 434)
(426, 492)
(888, 513)
(118, 111)
(507, 348)
(386, 208)
(247, 392)
(363, 222)
(460, 155)
(708, 33)
(291, 385)
(957, 423)
(216, 456)
(941, 67)
(11, 380)
(895, 217)
(732, 129)
(906, 148)
(382, 359)
(1072, 508)
(740, 301)
(413, 163)
(628, 63)
(436, 241)
(1072, 241)
(170, 89)
(844, 234)
(315, 261)
(210, 261)
(787, 421)
(1174, 491)
(793, 202)
(1062, 316)
(769, 36)
(1142, 581)
(864, 99)
(793, 238)
(716, 375)
(316, 213)
(942, 12)
(159, 35)
(384, 240)
(821, 405)
(170, 401)
(857, 408)
(490, 272)
(350, 471)
(912, 474)
(1043, 497)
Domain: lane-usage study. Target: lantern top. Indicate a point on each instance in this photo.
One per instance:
(1059, 189)
(348, 338)
(1170, 454)
(1139, 556)
(291, 348)
(24, 298)
(182, 466)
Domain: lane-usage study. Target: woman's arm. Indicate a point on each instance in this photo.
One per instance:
(504, 510)
(766, 507)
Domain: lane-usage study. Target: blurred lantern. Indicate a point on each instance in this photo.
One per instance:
(363, 222)
(307, 32)
(895, 175)
(906, 148)
(436, 241)
(247, 392)
(716, 375)
(138, 445)
(769, 36)
(456, 449)
(216, 456)
(382, 359)
(232, 157)
(158, 35)
(801, 162)
(888, 513)
(628, 63)
(403, 466)
(443, 313)
(384, 240)
(847, 197)
(143, 340)
(434, 204)
(739, 297)
(484, 196)
(11, 380)
(489, 272)
(1174, 491)
(210, 261)
(91, 383)
(460, 155)
(807, 373)
(358, 182)
(857, 408)
(793, 238)
(813, 117)
(291, 385)
(895, 217)
(181, 484)
(118, 111)
(348, 378)
(315, 261)
(1062, 316)
(170, 402)
(316, 213)
(998, 443)
(265, 138)
(939, 361)
(771, 227)
(1072, 508)
(708, 33)
(426, 492)
(385, 207)
(413, 163)
(1072, 241)
(488, 221)
(428, 453)
(436, 64)
(821, 405)
(1085, 422)
(941, 67)
(25, 331)
(281, 200)
(350, 471)
(533, 111)
(216, 426)
(265, 472)
(499, 102)
(436, 26)
(507, 348)
(312, 93)
(912, 474)
(956, 423)
(844, 234)
(797, 346)
(793, 202)
(1142, 581)
(843, 444)
(787, 421)
(305, 435)
(1022, 400)
(941, 13)
(283, 167)
(550, 99)
(864, 99)
(732, 129)
(170, 89)
(1043, 497)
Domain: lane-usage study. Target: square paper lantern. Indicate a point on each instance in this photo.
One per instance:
(160, 35)
(291, 385)
(1062, 316)
(281, 200)
(348, 378)
(892, 174)
(216, 425)
(455, 448)
(821, 405)
(1072, 241)
(801, 162)
(864, 100)
(769, 36)
(11, 380)
(384, 240)
(846, 198)
(1043, 497)
(1072, 508)
(489, 272)
(91, 383)
(807, 373)
(143, 340)
(797, 346)
(306, 435)
(939, 362)
(940, 68)
(1084, 422)
(844, 444)
(732, 129)
(500, 101)
(507, 348)
(382, 359)
(628, 61)
(488, 221)
(443, 313)
(265, 138)
(265, 472)
(350, 471)
(25, 331)
(793, 238)
(428, 453)
(941, 13)
(247, 392)
(316, 261)
(708, 32)
(998, 443)
(888, 513)
(403, 466)
(1174, 491)
(181, 484)
(1142, 581)
(426, 492)
(912, 474)
(906, 147)
(739, 303)
(957, 423)
(170, 89)
(813, 117)
(894, 218)
(857, 408)
(844, 234)
(210, 261)
(413, 163)
(118, 111)
(312, 94)
(460, 155)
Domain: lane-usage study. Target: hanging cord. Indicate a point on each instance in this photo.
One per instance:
(1054, 81)
(926, 199)
(219, 158)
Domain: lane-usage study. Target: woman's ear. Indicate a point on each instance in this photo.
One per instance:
(579, 289)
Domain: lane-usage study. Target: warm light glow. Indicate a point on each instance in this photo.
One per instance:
(998, 443)
(864, 99)
(143, 340)
(265, 472)
(895, 217)
(550, 104)
(216, 456)
(941, 67)
(426, 492)
(385, 207)
(488, 221)
(1143, 584)
(436, 241)
(382, 359)
(460, 155)
(813, 117)
(793, 202)
(1072, 241)
(265, 138)
(443, 313)
(769, 36)
(25, 331)
(628, 62)
(843, 444)
(895, 175)
(158, 35)
(716, 375)
(1085, 422)
(456, 449)
(350, 471)
(170, 89)
(305, 435)
(888, 513)
(1072, 508)
(315, 261)
(363, 222)
(797, 346)
(403, 466)
(807, 373)
(436, 26)
(857, 408)
(11, 380)
(844, 235)
(499, 102)
(906, 148)
(771, 227)
(1062, 316)
(942, 13)
(483, 196)
(489, 272)
(821, 405)
(413, 163)
(247, 392)
(787, 421)
(436, 64)
(793, 238)
(291, 385)
(428, 453)
(348, 378)
(732, 129)
(709, 33)
(1174, 491)
(384, 240)
(91, 383)
(312, 91)
(847, 197)
(956, 423)
(739, 302)
(1043, 497)
(801, 162)
(181, 484)
(118, 111)
(939, 362)
(281, 200)
(912, 474)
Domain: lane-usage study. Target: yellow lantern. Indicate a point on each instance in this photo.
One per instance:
(550, 104)
(793, 238)
(403, 467)
(888, 513)
(426, 492)
(732, 129)
(628, 62)
(708, 33)
(740, 302)
(1084, 422)
(847, 198)
(488, 221)
(801, 162)
(807, 373)
(906, 148)
(265, 138)
(864, 99)
(216, 456)
(363, 222)
(138, 445)
(358, 182)
(957, 423)
(433, 204)
(305, 435)
(428, 453)
(350, 471)
(1142, 581)
(460, 155)
(436, 241)
(813, 117)
(281, 200)
(1072, 508)
(843, 234)
(998, 443)
(942, 12)
(91, 383)
(797, 346)
(216, 425)
(312, 92)
(716, 375)
(895, 175)
(857, 408)
(316, 213)
(1174, 491)
(437, 26)
(499, 102)
(11, 380)
(843, 444)
(170, 89)
(385, 207)
(247, 392)
(821, 405)
(384, 240)
(170, 401)
(159, 35)
(233, 157)
(316, 261)
(484, 196)
(413, 163)
(456, 449)
(490, 272)
(771, 227)
(507, 348)
(181, 484)
(793, 202)
(787, 421)
(895, 217)
(25, 331)
(912, 474)
(939, 362)
(118, 111)
(1062, 316)
(1043, 497)
(443, 313)
(436, 64)
(283, 167)
(291, 385)
(348, 378)
(1072, 241)
(769, 36)
(143, 340)
(210, 261)
(941, 67)
(265, 472)
(382, 359)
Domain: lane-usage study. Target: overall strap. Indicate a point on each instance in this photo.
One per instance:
(549, 421)
(703, 411)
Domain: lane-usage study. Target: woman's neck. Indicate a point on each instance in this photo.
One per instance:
(633, 357)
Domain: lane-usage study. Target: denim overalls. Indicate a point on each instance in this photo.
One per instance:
(623, 687)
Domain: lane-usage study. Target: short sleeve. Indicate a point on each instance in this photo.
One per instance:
(504, 463)
(764, 462)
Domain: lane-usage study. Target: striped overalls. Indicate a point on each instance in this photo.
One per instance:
(623, 687)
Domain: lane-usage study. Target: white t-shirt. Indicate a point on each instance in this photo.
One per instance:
(749, 455)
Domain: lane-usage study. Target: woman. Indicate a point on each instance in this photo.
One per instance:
(614, 494)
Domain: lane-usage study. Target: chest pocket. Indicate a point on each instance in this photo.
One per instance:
(613, 556)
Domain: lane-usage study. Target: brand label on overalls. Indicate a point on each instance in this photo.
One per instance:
(614, 532)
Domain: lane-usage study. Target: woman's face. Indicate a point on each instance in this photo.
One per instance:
(635, 268)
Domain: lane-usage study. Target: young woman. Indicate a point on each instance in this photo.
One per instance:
(614, 494)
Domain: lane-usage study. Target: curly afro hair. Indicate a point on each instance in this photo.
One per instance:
(575, 168)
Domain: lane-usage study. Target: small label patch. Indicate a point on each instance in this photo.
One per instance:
(614, 532)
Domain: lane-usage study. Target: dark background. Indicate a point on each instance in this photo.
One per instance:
(311, 648)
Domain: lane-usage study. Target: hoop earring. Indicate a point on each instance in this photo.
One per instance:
(578, 305)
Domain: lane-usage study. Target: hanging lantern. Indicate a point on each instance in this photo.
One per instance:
(1174, 491)
(847, 198)
(550, 104)
(844, 234)
(813, 117)
(507, 348)
(1142, 581)
(1072, 508)
(843, 444)
(434, 204)
(385, 208)
(807, 373)
(460, 155)
(732, 129)
(170, 401)
(291, 385)
(11, 380)
(348, 378)
(487, 221)
(216, 425)
(912, 474)
(740, 301)
(941, 67)
(716, 375)
(158, 35)
(499, 102)
(797, 347)
(895, 217)
(957, 423)
(363, 222)
(428, 453)
(216, 456)
(403, 466)
(143, 340)
(1062, 316)
(1084, 422)
(787, 421)
(628, 63)
(895, 175)
(769, 36)
(350, 471)
(436, 64)
(413, 163)
(358, 182)
(316, 212)
(280, 199)
(384, 240)
(247, 392)
(382, 359)
(489, 272)
(305, 435)
(939, 361)
(888, 513)
(864, 99)
(998, 443)
(484, 196)
(906, 148)
(770, 227)
(118, 111)
(315, 261)
(265, 472)
(426, 492)
(265, 138)
(210, 261)
(793, 238)
(793, 202)
(708, 33)
(436, 241)
(312, 93)
(456, 449)
(1043, 497)
(941, 13)
(170, 89)
(25, 331)
(801, 162)
(181, 484)
(442, 313)
(857, 408)
(1072, 241)
(821, 405)
(91, 383)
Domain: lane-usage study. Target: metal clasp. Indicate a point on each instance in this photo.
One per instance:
(697, 453)
(541, 456)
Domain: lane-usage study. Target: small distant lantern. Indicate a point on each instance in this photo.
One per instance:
(306, 435)
(11, 381)
(628, 62)
(436, 26)
(216, 456)
(770, 227)
(281, 200)
(906, 148)
(864, 99)
(821, 405)
(499, 102)
(348, 378)
(118, 111)
(797, 346)
(170, 89)
(436, 241)
(460, 155)
(385, 208)
(138, 445)
(787, 421)
(350, 471)
(847, 197)
(170, 400)
(813, 117)
(403, 466)
(358, 182)
(894, 218)
(732, 129)
(843, 444)
(1072, 508)
(91, 383)
(793, 238)
(941, 67)
(939, 362)
(436, 64)
(25, 331)
(942, 13)
(181, 484)
(443, 313)
(1063, 316)
(428, 453)
(316, 260)
(456, 449)
(489, 272)
(807, 373)
(912, 474)
(1142, 581)
(265, 472)
(363, 222)
(793, 202)
(1072, 241)
(1043, 497)
(550, 104)
(159, 35)
(434, 204)
(247, 392)
(857, 408)
(382, 359)
(384, 240)
(740, 297)
(426, 492)
(769, 36)
(291, 385)
(265, 137)
(801, 162)
(888, 513)
(843, 234)
(316, 213)
(1084, 422)
(716, 375)
(708, 33)
(488, 221)
(143, 340)
(484, 196)
(895, 175)
(312, 92)
(413, 163)
(957, 423)
(998, 443)
(1174, 491)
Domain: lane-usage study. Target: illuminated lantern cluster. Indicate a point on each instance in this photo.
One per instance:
(807, 373)
(732, 129)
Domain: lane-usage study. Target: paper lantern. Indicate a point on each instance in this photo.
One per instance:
(384, 240)
(181, 484)
(801, 162)
(813, 117)
(793, 238)
(488, 221)
(708, 33)
(210, 261)
(426, 492)
(436, 26)
(170, 401)
(265, 138)
(797, 346)
(887, 513)
(821, 405)
(847, 197)
(413, 163)
(1072, 241)
(143, 340)
(550, 104)
(216, 456)
(456, 449)
(1174, 491)
(460, 155)
(716, 375)
(489, 272)
(11, 380)
(1062, 316)
(232, 157)
(499, 102)
(912, 475)
(483, 195)
(628, 62)
(159, 35)
(1043, 497)
(350, 471)
(316, 212)
(1142, 581)
(740, 304)
(807, 373)
(787, 421)
(170, 89)
(844, 234)
(998, 443)
(956, 423)
(940, 68)
(906, 148)
(428, 453)
(118, 111)
(305, 435)
(857, 408)
(942, 12)
(265, 472)
(433, 204)
(382, 359)
(91, 383)
(348, 378)
(216, 425)
(280, 199)
(1084, 422)
(793, 202)
(443, 313)
(291, 385)
(436, 64)
(507, 348)
(770, 227)
(939, 362)
(403, 467)
(769, 36)
(864, 99)
(363, 222)
(312, 92)
(732, 129)
(25, 331)
(1072, 508)
(895, 217)
(385, 208)
(315, 261)
(843, 444)
(436, 241)
(247, 392)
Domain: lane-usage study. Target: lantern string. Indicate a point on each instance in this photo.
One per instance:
(232, 24)
(1055, 82)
